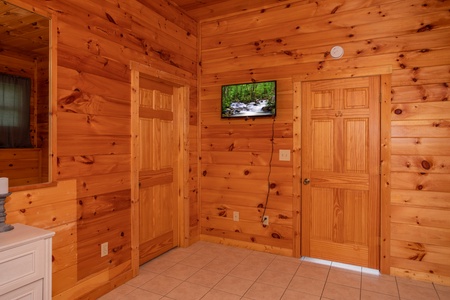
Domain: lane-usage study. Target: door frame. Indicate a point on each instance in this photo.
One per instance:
(385, 73)
(181, 126)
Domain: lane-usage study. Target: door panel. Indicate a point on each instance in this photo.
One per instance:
(157, 196)
(340, 157)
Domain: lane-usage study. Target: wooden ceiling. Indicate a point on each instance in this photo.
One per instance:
(23, 32)
(209, 9)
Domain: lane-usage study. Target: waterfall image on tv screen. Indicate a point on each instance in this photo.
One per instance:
(256, 99)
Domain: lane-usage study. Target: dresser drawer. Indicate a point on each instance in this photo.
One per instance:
(21, 266)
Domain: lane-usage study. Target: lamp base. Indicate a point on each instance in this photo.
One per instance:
(6, 227)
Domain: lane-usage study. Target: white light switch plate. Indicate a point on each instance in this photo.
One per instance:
(285, 155)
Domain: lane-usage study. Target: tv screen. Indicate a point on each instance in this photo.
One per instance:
(255, 99)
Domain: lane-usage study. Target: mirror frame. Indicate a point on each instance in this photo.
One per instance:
(52, 97)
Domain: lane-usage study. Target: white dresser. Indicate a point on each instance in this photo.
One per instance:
(26, 263)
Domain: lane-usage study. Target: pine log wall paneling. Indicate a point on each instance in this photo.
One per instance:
(90, 202)
(293, 40)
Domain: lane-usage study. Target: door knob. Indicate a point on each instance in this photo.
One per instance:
(306, 181)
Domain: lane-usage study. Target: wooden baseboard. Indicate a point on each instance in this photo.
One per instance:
(99, 284)
(422, 276)
(247, 245)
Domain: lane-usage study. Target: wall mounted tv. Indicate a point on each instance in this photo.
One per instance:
(254, 99)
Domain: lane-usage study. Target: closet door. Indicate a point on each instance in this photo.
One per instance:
(157, 167)
(341, 170)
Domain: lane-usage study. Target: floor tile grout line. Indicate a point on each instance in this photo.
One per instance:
(239, 277)
(398, 288)
(360, 284)
(226, 274)
(292, 278)
(325, 284)
(259, 276)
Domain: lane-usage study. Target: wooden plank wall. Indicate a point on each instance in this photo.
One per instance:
(294, 40)
(90, 204)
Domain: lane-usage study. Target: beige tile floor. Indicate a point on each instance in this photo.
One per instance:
(210, 271)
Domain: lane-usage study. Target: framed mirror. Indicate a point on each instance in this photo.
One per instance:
(27, 84)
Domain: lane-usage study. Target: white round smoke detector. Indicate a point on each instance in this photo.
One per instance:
(337, 52)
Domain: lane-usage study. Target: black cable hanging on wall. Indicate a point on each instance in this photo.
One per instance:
(270, 171)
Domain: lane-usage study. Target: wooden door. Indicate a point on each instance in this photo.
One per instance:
(157, 168)
(341, 170)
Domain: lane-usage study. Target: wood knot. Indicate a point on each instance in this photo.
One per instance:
(427, 27)
(335, 9)
(204, 173)
(426, 164)
(276, 235)
(420, 187)
(246, 172)
(273, 185)
(398, 111)
(110, 19)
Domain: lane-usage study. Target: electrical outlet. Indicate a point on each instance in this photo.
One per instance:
(266, 220)
(284, 155)
(235, 216)
(104, 249)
